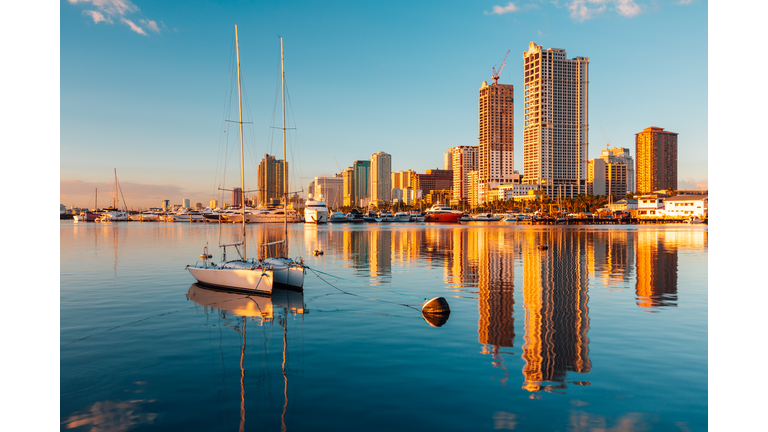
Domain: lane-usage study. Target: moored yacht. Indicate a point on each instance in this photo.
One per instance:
(442, 213)
(337, 216)
(315, 210)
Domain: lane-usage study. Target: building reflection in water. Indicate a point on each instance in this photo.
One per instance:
(556, 315)
(656, 284)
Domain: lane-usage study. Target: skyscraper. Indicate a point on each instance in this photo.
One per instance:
(464, 159)
(271, 182)
(556, 121)
(621, 155)
(656, 151)
(448, 159)
(350, 198)
(381, 169)
(362, 175)
(495, 137)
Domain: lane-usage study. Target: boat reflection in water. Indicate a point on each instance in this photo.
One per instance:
(263, 309)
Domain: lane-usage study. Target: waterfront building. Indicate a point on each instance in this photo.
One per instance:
(555, 137)
(472, 178)
(656, 151)
(403, 179)
(621, 155)
(186, 203)
(166, 204)
(362, 177)
(311, 188)
(464, 160)
(350, 199)
(605, 178)
(651, 205)
(332, 190)
(213, 204)
(435, 179)
(495, 136)
(271, 180)
(687, 206)
(381, 181)
(237, 197)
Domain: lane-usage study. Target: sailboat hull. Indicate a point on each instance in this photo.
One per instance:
(286, 272)
(244, 279)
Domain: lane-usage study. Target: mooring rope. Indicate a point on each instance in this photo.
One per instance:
(358, 283)
(357, 295)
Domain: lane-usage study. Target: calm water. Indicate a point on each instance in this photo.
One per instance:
(606, 330)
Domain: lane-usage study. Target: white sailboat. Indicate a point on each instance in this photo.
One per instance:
(287, 271)
(256, 276)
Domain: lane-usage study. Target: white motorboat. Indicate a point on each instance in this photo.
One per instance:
(402, 217)
(315, 210)
(694, 220)
(255, 276)
(273, 215)
(188, 216)
(354, 216)
(386, 216)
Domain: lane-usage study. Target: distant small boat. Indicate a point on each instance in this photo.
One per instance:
(694, 220)
(386, 216)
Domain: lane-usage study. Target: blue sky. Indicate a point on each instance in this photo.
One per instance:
(143, 85)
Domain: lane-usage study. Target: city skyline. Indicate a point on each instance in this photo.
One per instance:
(124, 101)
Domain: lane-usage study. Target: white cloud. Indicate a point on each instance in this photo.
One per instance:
(108, 11)
(501, 10)
(582, 10)
(627, 8)
(133, 26)
(150, 24)
(684, 2)
(97, 16)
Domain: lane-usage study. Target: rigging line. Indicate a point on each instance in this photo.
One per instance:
(125, 204)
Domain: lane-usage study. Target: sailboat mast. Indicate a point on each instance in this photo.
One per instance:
(285, 160)
(114, 200)
(242, 168)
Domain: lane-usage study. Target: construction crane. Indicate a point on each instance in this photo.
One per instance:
(607, 143)
(341, 171)
(496, 75)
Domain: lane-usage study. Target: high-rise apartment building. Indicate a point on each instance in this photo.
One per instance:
(464, 159)
(656, 151)
(381, 181)
(607, 178)
(362, 176)
(350, 199)
(271, 180)
(496, 136)
(621, 155)
(556, 121)
(403, 179)
(448, 160)
(237, 196)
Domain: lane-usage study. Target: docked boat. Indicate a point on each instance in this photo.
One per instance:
(465, 217)
(188, 216)
(354, 216)
(442, 213)
(694, 220)
(402, 216)
(315, 210)
(273, 215)
(386, 216)
(337, 216)
(370, 216)
(254, 276)
(483, 217)
(417, 216)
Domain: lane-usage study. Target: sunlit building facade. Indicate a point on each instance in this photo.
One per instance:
(496, 149)
(381, 181)
(464, 159)
(621, 155)
(362, 174)
(271, 180)
(656, 151)
(555, 136)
